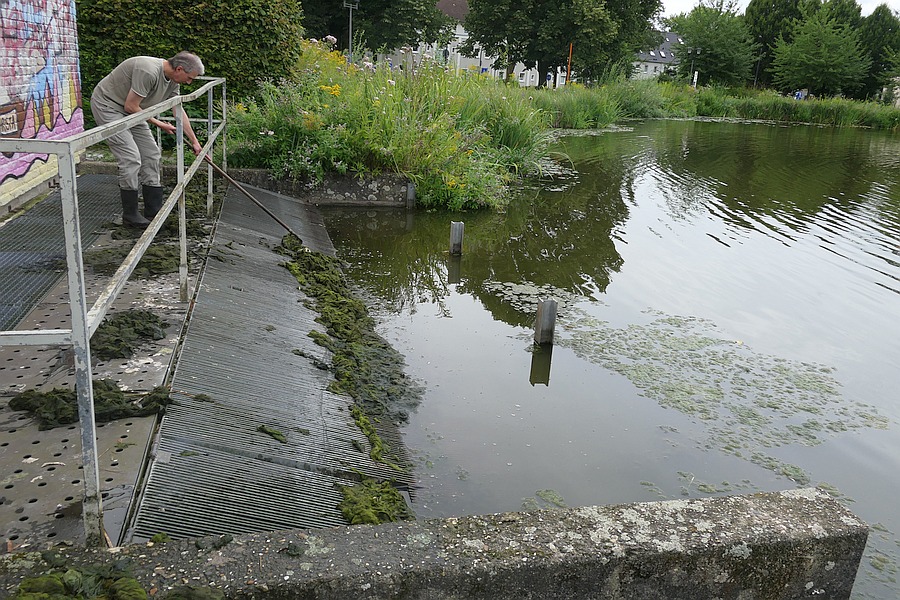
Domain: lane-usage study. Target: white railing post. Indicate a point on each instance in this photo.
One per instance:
(182, 226)
(92, 509)
(209, 169)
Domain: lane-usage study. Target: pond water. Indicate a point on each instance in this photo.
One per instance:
(728, 296)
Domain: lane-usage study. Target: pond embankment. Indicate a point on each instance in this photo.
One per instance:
(792, 544)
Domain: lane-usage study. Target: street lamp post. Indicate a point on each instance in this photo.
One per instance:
(351, 5)
(693, 52)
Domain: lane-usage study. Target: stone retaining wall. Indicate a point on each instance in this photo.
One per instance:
(793, 544)
(336, 190)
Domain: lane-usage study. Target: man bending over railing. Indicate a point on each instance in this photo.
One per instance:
(138, 83)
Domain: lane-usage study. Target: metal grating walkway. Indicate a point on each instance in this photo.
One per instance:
(35, 240)
(212, 471)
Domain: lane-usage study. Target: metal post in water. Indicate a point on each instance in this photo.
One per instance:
(454, 269)
(541, 357)
(545, 322)
(410, 195)
(457, 228)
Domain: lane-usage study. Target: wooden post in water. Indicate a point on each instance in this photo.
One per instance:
(456, 237)
(545, 322)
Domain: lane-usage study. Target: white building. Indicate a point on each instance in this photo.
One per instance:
(654, 62)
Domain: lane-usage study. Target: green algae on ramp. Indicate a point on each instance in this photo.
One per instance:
(372, 502)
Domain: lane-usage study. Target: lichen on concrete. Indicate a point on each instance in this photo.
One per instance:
(756, 546)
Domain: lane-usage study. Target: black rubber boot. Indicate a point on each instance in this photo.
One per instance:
(153, 200)
(130, 215)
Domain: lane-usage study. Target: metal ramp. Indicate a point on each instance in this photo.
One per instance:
(213, 471)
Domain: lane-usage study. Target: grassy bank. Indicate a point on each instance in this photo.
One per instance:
(459, 138)
(462, 138)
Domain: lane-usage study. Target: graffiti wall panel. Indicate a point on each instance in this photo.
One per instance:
(40, 86)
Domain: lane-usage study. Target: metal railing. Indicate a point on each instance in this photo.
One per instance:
(86, 320)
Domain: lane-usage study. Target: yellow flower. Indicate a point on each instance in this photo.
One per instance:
(334, 90)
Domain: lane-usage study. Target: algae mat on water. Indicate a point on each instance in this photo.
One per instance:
(747, 402)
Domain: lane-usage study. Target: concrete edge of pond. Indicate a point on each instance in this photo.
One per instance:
(336, 190)
(790, 544)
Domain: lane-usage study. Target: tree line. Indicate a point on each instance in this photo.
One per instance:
(827, 48)
(824, 46)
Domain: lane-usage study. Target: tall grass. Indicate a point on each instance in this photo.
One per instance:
(460, 138)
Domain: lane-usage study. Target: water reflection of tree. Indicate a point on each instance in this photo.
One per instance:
(563, 239)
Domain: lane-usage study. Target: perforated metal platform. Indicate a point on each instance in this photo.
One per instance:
(40, 471)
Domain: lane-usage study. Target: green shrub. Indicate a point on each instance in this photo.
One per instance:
(243, 40)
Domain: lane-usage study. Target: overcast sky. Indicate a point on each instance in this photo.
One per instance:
(673, 7)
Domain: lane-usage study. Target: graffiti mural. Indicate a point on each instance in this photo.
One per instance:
(40, 84)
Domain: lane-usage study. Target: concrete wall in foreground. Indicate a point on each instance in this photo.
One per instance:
(794, 544)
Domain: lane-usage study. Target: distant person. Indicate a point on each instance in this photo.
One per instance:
(138, 83)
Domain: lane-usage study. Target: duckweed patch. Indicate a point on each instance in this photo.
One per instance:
(747, 402)
(690, 482)
(372, 502)
(544, 499)
(60, 406)
(119, 335)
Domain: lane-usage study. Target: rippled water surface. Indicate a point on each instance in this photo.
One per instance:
(728, 303)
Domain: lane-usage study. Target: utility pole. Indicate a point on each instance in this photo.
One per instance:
(351, 5)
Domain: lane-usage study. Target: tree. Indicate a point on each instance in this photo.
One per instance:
(879, 38)
(846, 12)
(538, 33)
(726, 54)
(379, 24)
(824, 57)
(767, 21)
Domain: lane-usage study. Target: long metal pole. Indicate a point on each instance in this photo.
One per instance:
(91, 506)
(351, 34)
(255, 201)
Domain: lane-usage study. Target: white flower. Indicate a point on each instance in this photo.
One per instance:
(392, 82)
(331, 40)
